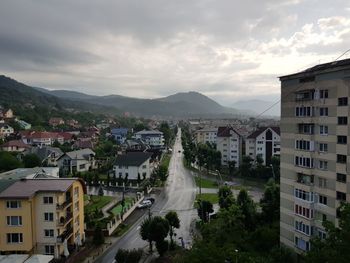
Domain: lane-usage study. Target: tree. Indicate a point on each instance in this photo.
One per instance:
(108, 179)
(248, 209)
(96, 178)
(114, 180)
(226, 198)
(162, 173)
(31, 160)
(154, 229)
(275, 165)
(204, 209)
(98, 238)
(128, 256)
(145, 232)
(270, 203)
(100, 191)
(174, 222)
(246, 166)
(8, 162)
(232, 167)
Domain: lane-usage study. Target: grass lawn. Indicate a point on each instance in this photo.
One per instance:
(212, 198)
(118, 209)
(121, 229)
(206, 183)
(98, 202)
(166, 160)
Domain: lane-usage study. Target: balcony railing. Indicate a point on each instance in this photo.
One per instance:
(64, 219)
(65, 235)
(305, 179)
(64, 204)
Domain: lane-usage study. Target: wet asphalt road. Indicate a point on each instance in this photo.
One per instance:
(178, 195)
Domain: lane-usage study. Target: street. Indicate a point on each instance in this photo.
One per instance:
(178, 195)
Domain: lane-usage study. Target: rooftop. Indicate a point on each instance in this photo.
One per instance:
(80, 154)
(28, 173)
(226, 131)
(261, 130)
(151, 132)
(15, 143)
(133, 158)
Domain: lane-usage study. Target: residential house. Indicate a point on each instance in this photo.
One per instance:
(119, 134)
(56, 122)
(44, 216)
(30, 173)
(264, 142)
(5, 130)
(73, 123)
(133, 166)
(206, 135)
(153, 138)
(83, 143)
(41, 138)
(136, 145)
(7, 114)
(48, 155)
(77, 161)
(14, 146)
(229, 143)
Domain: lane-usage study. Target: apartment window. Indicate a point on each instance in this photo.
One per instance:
(49, 249)
(82, 166)
(306, 128)
(304, 145)
(304, 111)
(323, 129)
(341, 178)
(48, 199)
(341, 139)
(323, 165)
(48, 216)
(324, 111)
(13, 204)
(14, 220)
(322, 182)
(342, 120)
(49, 233)
(322, 234)
(343, 101)
(304, 228)
(323, 147)
(303, 211)
(324, 93)
(341, 196)
(302, 244)
(306, 196)
(341, 158)
(76, 191)
(304, 162)
(322, 199)
(14, 238)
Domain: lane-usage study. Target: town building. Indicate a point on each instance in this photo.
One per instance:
(48, 155)
(56, 122)
(41, 138)
(30, 173)
(264, 142)
(153, 138)
(206, 135)
(76, 161)
(229, 143)
(14, 146)
(119, 134)
(44, 216)
(6, 113)
(5, 130)
(314, 151)
(133, 166)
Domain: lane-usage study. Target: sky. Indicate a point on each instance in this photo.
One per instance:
(229, 50)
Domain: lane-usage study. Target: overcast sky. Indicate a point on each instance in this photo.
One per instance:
(227, 49)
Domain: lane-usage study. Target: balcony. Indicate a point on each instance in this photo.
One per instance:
(65, 235)
(64, 204)
(306, 95)
(65, 219)
(305, 179)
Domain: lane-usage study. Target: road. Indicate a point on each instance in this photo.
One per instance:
(178, 195)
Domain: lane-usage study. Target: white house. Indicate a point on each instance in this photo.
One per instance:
(264, 142)
(5, 130)
(133, 165)
(153, 138)
(76, 161)
(229, 143)
(206, 135)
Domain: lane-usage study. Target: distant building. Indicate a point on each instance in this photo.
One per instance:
(7, 114)
(56, 122)
(73, 123)
(83, 143)
(264, 142)
(229, 143)
(48, 155)
(5, 130)
(119, 134)
(76, 161)
(136, 145)
(14, 146)
(206, 135)
(44, 216)
(30, 173)
(41, 138)
(24, 125)
(133, 165)
(153, 138)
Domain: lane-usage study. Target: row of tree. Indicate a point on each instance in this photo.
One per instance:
(9, 161)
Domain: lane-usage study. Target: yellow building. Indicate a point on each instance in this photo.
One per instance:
(42, 216)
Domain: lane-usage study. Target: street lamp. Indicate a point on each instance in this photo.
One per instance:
(218, 172)
(236, 250)
(273, 172)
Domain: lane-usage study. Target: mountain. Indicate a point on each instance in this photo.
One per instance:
(66, 94)
(258, 106)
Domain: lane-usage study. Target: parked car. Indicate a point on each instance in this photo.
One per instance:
(150, 199)
(144, 204)
(179, 151)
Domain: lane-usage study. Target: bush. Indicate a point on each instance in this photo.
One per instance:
(128, 256)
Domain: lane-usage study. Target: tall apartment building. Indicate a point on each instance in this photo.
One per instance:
(314, 151)
(264, 142)
(206, 135)
(229, 143)
(42, 216)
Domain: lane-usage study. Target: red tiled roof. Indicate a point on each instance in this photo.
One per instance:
(41, 135)
(16, 143)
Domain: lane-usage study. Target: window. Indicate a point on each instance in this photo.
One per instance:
(303, 211)
(341, 196)
(48, 199)
(144, 166)
(342, 120)
(49, 249)
(301, 227)
(323, 129)
(322, 234)
(302, 244)
(76, 191)
(323, 147)
(323, 165)
(13, 204)
(14, 220)
(14, 238)
(324, 111)
(48, 216)
(341, 139)
(76, 205)
(324, 93)
(82, 166)
(304, 145)
(341, 158)
(304, 162)
(341, 178)
(304, 111)
(306, 128)
(343, 101)
(49, 233)
(322, 199)
(322, 182)
(306, 196)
